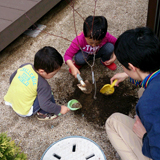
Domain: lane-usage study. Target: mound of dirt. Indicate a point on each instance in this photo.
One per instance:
(97, 110)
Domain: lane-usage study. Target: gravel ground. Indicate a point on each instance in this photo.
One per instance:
(35, 136)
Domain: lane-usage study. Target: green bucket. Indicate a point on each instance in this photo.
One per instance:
(71, 103)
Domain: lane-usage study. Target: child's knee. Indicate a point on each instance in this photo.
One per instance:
(109, 47)
(112, 118)
(80, 58)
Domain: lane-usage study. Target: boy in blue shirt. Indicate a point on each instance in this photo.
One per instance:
(138, 50)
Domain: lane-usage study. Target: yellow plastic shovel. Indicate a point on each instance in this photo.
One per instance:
(108, 88)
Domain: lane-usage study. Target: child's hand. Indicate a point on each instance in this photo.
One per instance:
(138, 128)
(64, 110)
(111, 60)
(75, 71)
(120, 77)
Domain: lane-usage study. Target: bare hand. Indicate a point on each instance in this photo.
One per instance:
(120, 77)
(75, 71)
(64, 110)
(111, 60)
(138, 128)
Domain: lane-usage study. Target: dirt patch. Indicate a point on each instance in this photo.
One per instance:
(77, 105)
(97, 111)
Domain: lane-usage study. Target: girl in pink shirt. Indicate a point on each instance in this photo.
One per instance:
(93, 40)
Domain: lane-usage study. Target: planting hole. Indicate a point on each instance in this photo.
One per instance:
(96, 111)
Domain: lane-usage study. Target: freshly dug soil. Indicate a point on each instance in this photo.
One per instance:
(97, 110)
(77, 105)
(87, 89)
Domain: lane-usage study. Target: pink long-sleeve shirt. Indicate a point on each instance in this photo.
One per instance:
(80, 43)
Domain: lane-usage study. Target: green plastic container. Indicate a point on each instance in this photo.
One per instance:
(70, 103)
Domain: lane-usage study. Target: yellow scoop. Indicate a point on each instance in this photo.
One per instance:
(108, 88)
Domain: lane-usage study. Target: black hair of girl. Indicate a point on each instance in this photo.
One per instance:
(95, 27)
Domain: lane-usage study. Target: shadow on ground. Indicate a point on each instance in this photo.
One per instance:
(97, 111)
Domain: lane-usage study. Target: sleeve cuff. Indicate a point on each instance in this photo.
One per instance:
(144, 136)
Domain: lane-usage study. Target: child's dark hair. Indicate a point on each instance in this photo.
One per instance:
(48, 59)
(95, 27)
(140, 47)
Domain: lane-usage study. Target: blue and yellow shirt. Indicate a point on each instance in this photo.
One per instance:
(26, 85)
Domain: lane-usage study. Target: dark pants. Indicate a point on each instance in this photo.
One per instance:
(36, 107)
(104, 53)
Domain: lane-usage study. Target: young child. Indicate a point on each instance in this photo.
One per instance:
(29, 92)
(93, 40)
(138, 50)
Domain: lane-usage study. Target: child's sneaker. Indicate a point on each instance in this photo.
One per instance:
(47, 116)
(112, 66)
(77, 66)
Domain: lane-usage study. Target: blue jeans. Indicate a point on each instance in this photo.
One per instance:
(36, 107)
(104, 53)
